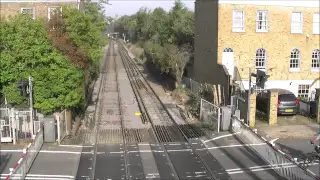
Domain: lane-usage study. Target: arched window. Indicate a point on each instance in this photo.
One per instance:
(315, 63)
(227, 50)
(261, 59)
(295, 59)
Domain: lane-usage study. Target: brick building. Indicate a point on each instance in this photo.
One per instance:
(35, 8)
(279, 37)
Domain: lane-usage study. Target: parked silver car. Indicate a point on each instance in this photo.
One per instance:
(288, 104)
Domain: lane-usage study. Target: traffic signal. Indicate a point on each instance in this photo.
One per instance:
(261, 78)
(22, 87)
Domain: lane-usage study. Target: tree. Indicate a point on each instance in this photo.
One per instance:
(26, 49)
(167, 37)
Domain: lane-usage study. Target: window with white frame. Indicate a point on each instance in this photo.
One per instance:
(238, 21)
(262, 21)
(295, 60)
(29, 11)
(261, 59)
(316, 23)
(315, 62)
(296, 22)
(53, 10)
(303, 91)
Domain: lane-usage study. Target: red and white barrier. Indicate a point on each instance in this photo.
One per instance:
(21, 168)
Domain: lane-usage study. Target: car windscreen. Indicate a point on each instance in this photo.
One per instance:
(287, 97)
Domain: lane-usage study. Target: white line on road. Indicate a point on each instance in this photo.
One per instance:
(219, 137)
(273, 140)
(11, 150)
(42, 176)
(262, 168)
(235, 145)
(65, 145)
(61, 152)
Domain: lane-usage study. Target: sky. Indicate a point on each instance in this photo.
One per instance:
(128, 7)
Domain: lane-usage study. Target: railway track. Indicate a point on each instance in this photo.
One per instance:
(121, 142)
(162, 123)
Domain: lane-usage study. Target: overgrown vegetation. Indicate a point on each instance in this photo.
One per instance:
(167, 37)
(56, 54)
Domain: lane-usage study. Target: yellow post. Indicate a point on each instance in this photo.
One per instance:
(252, 102)
(273, 117)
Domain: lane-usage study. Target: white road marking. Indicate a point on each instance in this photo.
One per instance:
(273, 140)
(63, 145)
(61, 152)
(262, 168)
(230, 146)
(45, 175)
(11, 150)
(42, 176)
(219, 137)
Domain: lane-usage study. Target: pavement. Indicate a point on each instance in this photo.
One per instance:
(290, 127)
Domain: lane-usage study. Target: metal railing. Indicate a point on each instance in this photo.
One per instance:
(192, 85)
(210, 114)
(22, 167)
(283, 164)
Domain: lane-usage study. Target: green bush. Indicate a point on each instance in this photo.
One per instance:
(26, 49)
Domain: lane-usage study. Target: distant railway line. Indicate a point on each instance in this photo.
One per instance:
(117, 134)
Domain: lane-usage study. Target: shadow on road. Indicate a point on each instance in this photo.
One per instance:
(4, 160)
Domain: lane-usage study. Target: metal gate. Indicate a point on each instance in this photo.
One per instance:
(210, 114)
(240, 103)
(5, 125)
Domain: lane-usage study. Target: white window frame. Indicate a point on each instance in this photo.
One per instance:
(264, 13)
(315, 60)
(28, 8)
(316, 23)
(303, 90)
(52, 7)
(293, 21)
(234, 22)
(261, 59)
(297, 52)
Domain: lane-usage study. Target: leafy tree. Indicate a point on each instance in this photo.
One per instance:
(85, 29)
(167, 37)
(26, 49)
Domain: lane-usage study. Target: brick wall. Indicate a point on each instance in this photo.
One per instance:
(41, 8)
(278, 41)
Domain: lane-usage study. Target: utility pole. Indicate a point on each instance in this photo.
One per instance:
(14, 116)
(31, 104)
(249, 94)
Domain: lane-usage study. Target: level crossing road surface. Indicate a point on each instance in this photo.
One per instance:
(9, 155)
(224, 155)
(52, 162)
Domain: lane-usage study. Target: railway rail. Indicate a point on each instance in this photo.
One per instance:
(164, 126)
(122, 143)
